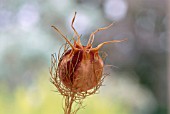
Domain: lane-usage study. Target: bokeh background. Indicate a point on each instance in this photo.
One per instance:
(138, 77)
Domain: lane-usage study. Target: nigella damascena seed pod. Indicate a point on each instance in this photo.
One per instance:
(80, 68)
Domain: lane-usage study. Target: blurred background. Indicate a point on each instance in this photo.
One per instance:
(138, 77)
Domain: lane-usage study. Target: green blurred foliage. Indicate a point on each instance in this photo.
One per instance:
(38, 99)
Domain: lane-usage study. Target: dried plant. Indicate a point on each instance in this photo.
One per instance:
(78, 72)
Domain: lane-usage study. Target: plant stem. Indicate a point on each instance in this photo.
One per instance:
(69, 102)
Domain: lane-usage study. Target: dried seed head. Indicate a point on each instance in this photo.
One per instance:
(81, 67)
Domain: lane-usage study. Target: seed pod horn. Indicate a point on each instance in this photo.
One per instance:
(91, 39)
(108, 42)
(63, 37)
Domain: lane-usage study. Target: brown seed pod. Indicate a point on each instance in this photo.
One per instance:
(79, 71)
(81, 67)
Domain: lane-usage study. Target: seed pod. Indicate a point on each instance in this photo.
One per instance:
(80, 68)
